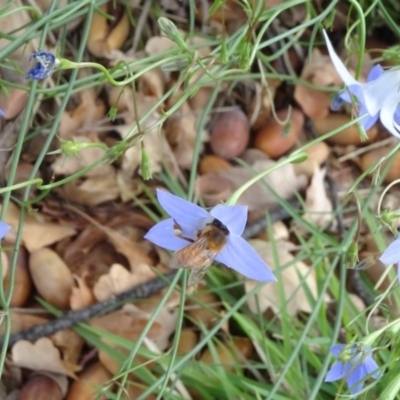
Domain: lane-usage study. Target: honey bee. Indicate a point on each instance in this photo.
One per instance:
(200, 254)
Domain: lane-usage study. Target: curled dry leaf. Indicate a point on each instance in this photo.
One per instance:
(293, 278)
(89, 383)
(51, 276)
(119, 280)
(69, 343)
(41, 356)
(81, 295)
(318, 206)
(13, 102)
(105, 36)
(37, 233)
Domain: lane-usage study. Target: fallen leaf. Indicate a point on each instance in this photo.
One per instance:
(37, 232)
(119, 280)
(81, 295)
(41, 356)
(318, 206)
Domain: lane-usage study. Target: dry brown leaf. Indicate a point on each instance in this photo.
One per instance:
(37, 233)
(166, 318)
(182, 133)
(81, 295)
(123, 324)
(292, 278)
(90, 381)
(318, 207)
(41, 356)
(51, 276)
(69, 165)
(69, 343)
(21, 321)
(119, 280)
(320, 71)
(86, 115)
(93, 190)
(283, 181)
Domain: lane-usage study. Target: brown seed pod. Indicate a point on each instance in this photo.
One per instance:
(275, 139)
(213, 163)
(230, 134)
(347, 136)
(41, 387)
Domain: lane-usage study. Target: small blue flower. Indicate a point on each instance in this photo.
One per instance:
(392, 255)
(4, 229)
(44, 65)
(379, 97)
(236, 254)
(354, 365)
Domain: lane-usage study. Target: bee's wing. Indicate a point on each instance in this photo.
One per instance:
(196, 275)
(195, 255)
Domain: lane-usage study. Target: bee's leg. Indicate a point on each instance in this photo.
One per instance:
(196, 275)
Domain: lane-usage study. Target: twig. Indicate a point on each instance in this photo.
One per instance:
(75, 317)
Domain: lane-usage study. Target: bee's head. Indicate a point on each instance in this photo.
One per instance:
(218, 224)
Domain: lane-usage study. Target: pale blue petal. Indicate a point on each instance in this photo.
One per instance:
(240, 256)
(397, 116)
(162, 234)
(377, 92)
(354, 380)
(392, 253)
(368, 121)
(4, 229)
(388, 114)
(338, 371)
(375, 72)
(188, 216)
(345, 96)
(336, 349)
(339, 66)
(370, 366)
(234, 217)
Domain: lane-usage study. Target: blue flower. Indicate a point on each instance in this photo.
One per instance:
(379, 97)
(4, 229)
(2, 113)
(44, 65)
(392, 255)
(236, 253)
(354, 365)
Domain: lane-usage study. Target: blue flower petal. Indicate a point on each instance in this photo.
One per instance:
(378, 92)
(392, 253)
(2, 113)
(339, 66)
(163, 235)
(370, 120)
(338, 371)
(189, 216)
(375, 72)
(240, 256)
(45, 63)
(336, 349)
(355, 379)
(370, 366)
(234, 217)
(4, 229)
(388, 114)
